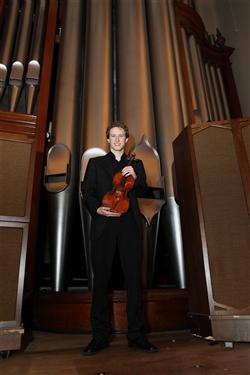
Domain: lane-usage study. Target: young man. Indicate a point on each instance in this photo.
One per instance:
(111, 231)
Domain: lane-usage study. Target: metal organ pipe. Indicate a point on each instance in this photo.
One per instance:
(189, 68)
(211, 92)
(62, 170)
(205, 83)
(34, 64)
(20, 53)
(169, 123)
(217, 93)
(198, 79)
(183, 98)
(7, 41)
(135, 99)
(114, 62)
(223, 94)
(97, 104)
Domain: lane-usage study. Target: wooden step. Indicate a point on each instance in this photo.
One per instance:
(165, 309)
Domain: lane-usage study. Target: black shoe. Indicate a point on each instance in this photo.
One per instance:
(95, 346)
(142, 344)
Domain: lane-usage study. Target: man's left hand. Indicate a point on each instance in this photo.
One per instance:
(129, 171)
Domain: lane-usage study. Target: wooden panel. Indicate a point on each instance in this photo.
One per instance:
(14, 166)
(191, 221)
(225, 217)
(70, 312)
(11, 244)
(212, 174)
(17, 169)
(17, 123)
(22, 142)
(246, 138)
(13, 239)
(10, 340)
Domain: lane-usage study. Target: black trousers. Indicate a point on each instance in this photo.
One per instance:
(121, 234)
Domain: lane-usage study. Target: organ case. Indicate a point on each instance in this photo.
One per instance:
(22, 141)
(213, 183)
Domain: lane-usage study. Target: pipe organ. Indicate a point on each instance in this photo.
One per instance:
(21, 49)
(67, 67)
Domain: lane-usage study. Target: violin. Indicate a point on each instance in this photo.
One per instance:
(117, 199)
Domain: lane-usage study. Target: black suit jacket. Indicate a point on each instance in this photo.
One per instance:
(98, 181)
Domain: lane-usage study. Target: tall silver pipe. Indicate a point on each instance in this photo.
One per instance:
(205, 83)
(169, 121)
(190, 71)
(223, 94)
(201, 93)
(214, 111)
(20, 53)
(114, 62)
(34, 64)
(97, 104)
(62, 170)
(7, 41)
(178, 64)
(217, 92)
(135, 98)
(170, 216)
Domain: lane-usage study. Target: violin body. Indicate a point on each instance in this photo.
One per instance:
(117, 199)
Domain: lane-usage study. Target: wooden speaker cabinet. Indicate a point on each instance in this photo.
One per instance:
(213, 184)
(17, 169)
(22, 144)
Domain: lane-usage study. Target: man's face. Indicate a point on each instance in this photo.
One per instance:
(117, 139)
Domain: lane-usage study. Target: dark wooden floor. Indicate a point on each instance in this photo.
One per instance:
(179, 354)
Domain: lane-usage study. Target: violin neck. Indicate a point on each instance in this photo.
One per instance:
(122, 182)
(123, 179)
(130, 159)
